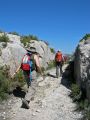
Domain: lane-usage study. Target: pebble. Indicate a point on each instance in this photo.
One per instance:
(38, 111)
(4, 118)
(4, 113)
(33, 114)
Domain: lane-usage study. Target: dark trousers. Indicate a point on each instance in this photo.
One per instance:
(27, 77)
(58, 69)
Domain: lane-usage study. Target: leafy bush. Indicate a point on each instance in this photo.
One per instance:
(85, 106)
(33, 37)
(20, 78)
(43, 69)
(4, 82)
(26, 39)
(75, 90)
(51, 65)
(52, 50)
(14, 33)
(4, 38)
(7, 84)
(86, 36)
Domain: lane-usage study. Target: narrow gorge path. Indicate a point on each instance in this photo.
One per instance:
(49, 101)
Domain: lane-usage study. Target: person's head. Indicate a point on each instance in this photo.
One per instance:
(59, 51)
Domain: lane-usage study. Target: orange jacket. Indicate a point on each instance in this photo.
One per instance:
(58, 57)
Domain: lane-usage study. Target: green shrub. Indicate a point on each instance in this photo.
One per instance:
(52, 50)
(3, 96)
(33, 37)
(86, 36)
(4, 38)
(19, 78)
(75, 90)
(8, 84)
(14, 33)
(51, 65)
(4, 82)
(43, 69)
(26, 39)
(85, 106)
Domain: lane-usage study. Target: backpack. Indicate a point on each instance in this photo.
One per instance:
(28, 63)
(58, 57)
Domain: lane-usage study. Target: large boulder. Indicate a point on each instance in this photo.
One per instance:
(82, 66)
(43, 49)
(11, 53)
(12, 56)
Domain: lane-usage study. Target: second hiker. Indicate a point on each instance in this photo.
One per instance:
(58, 60)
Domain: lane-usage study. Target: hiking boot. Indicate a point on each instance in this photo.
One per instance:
(25, 104)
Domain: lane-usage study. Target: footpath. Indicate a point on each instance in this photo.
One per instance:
(49, 100)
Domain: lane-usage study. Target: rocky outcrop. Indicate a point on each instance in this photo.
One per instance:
(12, 53)
(82, 66)
(11, 56)
(44, 51)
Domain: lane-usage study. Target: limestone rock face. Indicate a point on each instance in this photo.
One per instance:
(12, 56)
(11, 53)
(82, 65)
(44, 51)
(12, 38)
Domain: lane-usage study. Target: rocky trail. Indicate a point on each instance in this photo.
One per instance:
(49, 100)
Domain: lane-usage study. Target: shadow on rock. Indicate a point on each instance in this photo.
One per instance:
(18, 92)
(65, 79)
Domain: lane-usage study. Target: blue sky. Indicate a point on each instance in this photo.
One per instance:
(60, 22)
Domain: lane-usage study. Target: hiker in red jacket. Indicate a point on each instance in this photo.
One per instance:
(58, 60)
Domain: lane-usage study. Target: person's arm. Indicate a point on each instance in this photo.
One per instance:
(16, 70)
(36, 58)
